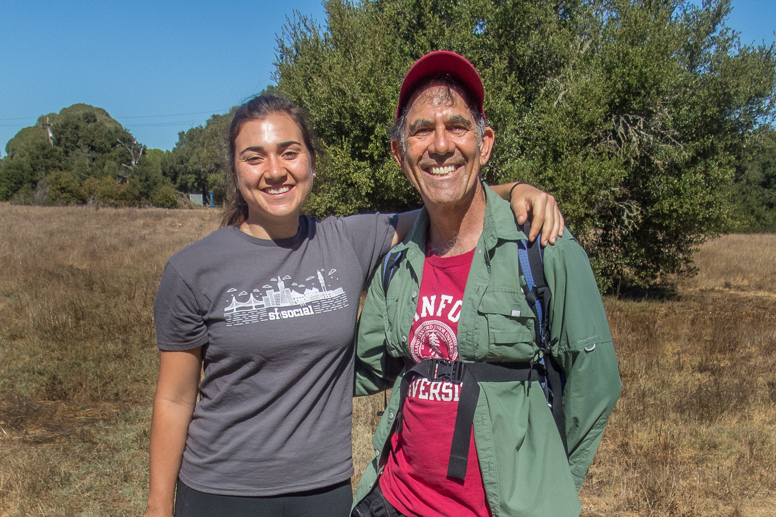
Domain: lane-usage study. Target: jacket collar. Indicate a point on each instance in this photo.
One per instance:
(499, 224)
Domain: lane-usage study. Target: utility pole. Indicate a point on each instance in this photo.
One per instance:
(47, 127)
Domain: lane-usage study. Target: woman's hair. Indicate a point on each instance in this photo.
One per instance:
(258, 108)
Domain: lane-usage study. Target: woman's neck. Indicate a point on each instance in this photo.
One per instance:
(273, 230)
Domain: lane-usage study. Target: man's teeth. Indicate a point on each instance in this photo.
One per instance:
(441, 171)
(279, 190)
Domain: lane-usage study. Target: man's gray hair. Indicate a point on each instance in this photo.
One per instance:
(397, 131)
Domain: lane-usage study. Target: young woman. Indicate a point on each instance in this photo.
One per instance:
(267, 304)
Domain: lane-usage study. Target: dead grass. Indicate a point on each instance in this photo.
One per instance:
(692, 435)
(77, 353)
(739, 262)
(695, 430)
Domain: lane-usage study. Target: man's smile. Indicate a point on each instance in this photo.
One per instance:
(441, 171)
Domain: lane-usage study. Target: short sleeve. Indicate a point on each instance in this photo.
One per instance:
(177, 317)
(370, 236)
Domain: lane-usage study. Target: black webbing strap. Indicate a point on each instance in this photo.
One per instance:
(555, 384)
(469, 374)
(541, 292)
(462, 433)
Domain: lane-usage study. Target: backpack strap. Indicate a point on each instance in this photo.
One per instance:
(389, 267)
(538, 295)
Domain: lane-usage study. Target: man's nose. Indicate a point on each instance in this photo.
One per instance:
(441, 143)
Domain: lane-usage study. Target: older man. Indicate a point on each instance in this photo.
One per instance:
(468, 430)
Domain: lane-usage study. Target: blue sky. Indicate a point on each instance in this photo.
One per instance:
(165, 66)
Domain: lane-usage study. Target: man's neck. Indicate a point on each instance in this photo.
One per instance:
(455, 230)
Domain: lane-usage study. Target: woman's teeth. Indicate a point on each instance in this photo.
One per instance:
(278, 190)
(441, 171)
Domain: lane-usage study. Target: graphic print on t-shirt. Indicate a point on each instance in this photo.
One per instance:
(280, 302)
(434, 339)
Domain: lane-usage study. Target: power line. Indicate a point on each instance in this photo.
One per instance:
(212, 112)
(169, 124)
(150, 124)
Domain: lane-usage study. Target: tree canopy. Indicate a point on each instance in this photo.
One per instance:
(88, 156)
(754, 191)
(647, 119)
(634, 113)
(196, 163)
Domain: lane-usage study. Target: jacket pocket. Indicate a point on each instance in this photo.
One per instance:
(509, 326)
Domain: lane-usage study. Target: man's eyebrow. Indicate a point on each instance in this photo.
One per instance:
(424, 122)
(460, 119)
(421, 122)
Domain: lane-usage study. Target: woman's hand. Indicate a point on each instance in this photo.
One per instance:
(528, 202)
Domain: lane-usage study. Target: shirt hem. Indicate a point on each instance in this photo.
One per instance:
(265, 492)
(176, 347)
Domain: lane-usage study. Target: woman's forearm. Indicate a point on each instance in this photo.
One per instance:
(176, 397)
(169, 430)
(528, 203)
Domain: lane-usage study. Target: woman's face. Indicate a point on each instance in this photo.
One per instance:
(274, 170)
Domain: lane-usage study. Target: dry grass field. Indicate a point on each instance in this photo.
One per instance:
(694, 433)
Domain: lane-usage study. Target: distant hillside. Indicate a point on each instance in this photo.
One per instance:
(82, 155)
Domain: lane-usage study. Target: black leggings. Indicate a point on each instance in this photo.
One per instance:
(375, 505)
(330, 501)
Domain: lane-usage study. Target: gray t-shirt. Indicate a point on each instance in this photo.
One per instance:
(276, 319)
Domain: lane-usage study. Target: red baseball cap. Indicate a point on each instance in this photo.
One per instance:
(439, 62)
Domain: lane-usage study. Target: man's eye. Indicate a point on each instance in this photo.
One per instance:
(459, 130)
(421, 131)
(290, 155)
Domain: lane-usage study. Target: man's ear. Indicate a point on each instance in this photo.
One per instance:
(487, 145)
(397, 153)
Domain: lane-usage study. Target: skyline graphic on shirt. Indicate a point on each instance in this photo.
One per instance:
(254, 306)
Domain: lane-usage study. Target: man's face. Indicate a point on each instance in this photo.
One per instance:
(442, 157)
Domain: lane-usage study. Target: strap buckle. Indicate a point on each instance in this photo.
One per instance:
(446, 370)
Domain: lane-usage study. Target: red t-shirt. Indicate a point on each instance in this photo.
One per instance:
(415, 479)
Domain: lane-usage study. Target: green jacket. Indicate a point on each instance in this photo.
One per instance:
(524, 467)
